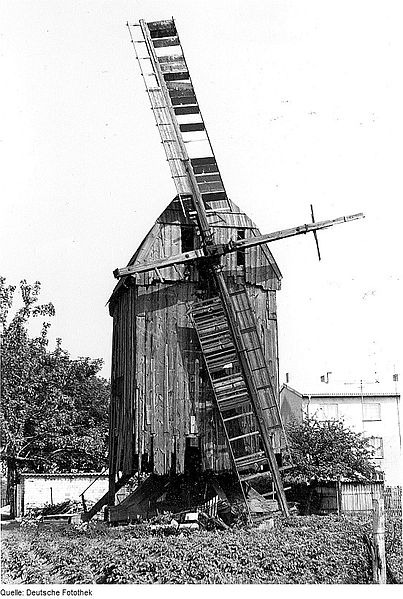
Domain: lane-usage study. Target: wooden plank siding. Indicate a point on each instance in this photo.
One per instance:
(165, 239)
(352, 498)
(160, 388)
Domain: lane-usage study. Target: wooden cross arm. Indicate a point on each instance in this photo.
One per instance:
(163, 263)
(300, 230)
(219, 250)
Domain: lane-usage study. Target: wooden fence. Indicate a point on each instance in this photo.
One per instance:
(393, 500)
(3, 495)
(356, 498)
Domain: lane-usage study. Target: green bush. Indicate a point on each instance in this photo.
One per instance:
(393, 545)
(309, 549)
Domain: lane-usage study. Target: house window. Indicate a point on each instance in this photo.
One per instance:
(327, 411)
(371, 411)
(240, 255)
(376, 443)
(187, 238)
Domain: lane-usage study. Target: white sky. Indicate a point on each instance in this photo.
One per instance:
(303, 104)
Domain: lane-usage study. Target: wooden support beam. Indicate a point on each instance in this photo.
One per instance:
(220, 249)
(163, 263)
(300, 230)
(378, 531)
(105, 499)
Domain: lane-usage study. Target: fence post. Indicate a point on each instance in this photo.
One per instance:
(378, 530)
(338, 495)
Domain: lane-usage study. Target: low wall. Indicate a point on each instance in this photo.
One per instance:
(37, 490)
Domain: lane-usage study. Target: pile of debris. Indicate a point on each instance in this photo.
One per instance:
(215, 496)
(66, 512)
(186, 522)
(173, 506)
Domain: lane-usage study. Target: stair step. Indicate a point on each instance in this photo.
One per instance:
(222, 343)
(228, 393)
(229, 389)
(229, 386)
(252, 465)
(220, 361)
(211, 314)
(251, 434)
(248, 460)
(229, 379)
(204, 311)
(209, 317)
(219, 366)
(215, 338)
(221, 355)
(235, 395)
(225, 345)
(240, 393)
(225, 354)
(275, 492)
(213, 330)
(209, 321)
(233, 403)
(205, 304)
(243, 415)
(246, 477)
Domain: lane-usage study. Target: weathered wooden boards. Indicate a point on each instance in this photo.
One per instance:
(161, 393)
(378, 531)
(165, 239)
(159, 382)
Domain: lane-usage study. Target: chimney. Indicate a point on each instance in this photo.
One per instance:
(287, 377)
(325, 378)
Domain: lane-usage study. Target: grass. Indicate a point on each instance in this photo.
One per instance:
(305, 549)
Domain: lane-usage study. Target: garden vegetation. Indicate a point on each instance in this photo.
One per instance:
(304, 550)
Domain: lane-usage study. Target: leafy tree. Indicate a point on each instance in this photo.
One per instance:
(54, 410)
(328, 451)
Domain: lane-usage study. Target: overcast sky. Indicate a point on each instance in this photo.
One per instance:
(303, 104)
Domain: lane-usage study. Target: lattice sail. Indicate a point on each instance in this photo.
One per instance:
(177, 113)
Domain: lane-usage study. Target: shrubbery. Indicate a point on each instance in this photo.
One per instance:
(393, 546)
(302, 550)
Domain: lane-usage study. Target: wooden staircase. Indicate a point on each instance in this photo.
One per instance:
(246, 416)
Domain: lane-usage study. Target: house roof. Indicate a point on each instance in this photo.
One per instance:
(343, 390)
(63, 474)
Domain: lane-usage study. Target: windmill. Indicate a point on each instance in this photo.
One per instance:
(228, 360)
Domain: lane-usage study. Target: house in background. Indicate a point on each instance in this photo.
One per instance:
(370, 409)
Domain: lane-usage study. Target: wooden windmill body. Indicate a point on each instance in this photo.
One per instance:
(195, 357)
